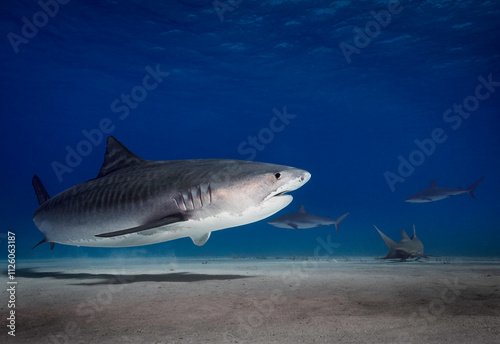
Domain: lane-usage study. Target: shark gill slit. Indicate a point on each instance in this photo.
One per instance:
(181, 197)
(209, 193)
(183, 201)
(185, 195)
(190, 194)
(199, 195)
(176, 203)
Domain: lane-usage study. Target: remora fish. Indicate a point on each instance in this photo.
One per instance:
(303, 219)
(135, 202)
(406, 248)
(435, 193)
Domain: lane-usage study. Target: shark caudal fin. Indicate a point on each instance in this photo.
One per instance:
(43, 196)
(388, 241)
(339, 220)
(471, 188)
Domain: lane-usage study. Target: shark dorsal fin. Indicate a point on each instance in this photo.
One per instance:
(117, 157)
(40, 191)
(433, 184)
(302, 209)
(414, 232)
(404, 235)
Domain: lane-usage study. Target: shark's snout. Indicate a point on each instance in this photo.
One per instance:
(298, 179)
(305, 177)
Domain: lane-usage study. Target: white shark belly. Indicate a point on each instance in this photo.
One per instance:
(193, 228)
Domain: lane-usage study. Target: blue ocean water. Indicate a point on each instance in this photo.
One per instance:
(382, 98)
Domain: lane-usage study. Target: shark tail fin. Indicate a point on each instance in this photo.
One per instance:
(388, 241)
(40, 191)
(471, 188)
(339, 220)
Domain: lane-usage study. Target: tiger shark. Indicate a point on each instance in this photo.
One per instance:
(302, 219)
(134, 202)
(435, 193)
(406, 248)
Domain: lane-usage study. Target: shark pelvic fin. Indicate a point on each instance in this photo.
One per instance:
(150, 225)
(40, 191)
(201, 240)
(117, 157)
(44, 240)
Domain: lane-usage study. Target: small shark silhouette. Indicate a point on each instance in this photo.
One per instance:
(406, 248)
(302, 220)
(435, 193)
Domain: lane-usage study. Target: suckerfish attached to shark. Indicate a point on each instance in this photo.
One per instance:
(135, 202)
(302, 219)
(406, 248)
(435, 193)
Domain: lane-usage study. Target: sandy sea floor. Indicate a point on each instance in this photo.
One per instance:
(348, 300)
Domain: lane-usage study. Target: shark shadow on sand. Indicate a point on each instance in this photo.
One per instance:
(104, 279)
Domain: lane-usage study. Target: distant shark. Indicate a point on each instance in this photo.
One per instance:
(406, 248)
(135, 202)
(435, 193)
(302, 220)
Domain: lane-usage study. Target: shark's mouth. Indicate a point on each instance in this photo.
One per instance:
(276, 195)
(292, 185)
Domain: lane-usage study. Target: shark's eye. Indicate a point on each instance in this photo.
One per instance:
(277, 175)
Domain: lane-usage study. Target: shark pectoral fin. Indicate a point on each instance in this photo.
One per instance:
(201, 240)
(293, 225)
(162, 222)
